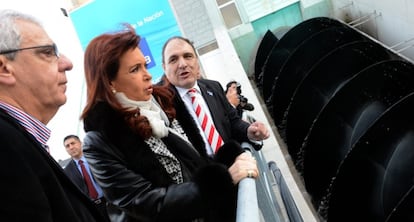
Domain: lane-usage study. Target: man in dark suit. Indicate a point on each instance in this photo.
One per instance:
(32, 88)
(182, 71)
(74, 170)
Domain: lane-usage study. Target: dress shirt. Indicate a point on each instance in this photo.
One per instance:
(33, 126)
(97, 188)
(187, 101)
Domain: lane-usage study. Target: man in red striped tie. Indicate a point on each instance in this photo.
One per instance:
(203, 101)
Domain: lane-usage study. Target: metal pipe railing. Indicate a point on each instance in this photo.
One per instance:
(247, 205)
(401, 43)
(271, 204)
(364, 19)
(276, 203)
(290, 205)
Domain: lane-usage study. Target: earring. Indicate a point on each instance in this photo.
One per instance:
(113, 91)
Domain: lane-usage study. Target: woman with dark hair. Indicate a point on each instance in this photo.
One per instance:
(139, 153)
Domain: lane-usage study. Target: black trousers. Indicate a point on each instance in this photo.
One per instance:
(100, 203)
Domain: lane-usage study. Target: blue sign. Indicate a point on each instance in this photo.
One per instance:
(149, 59)
(154, 21)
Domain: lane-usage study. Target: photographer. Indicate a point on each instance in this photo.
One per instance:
(233, 94)
(240, 103)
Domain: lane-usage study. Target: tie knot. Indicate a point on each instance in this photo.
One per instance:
(80, 162)
(192, 92)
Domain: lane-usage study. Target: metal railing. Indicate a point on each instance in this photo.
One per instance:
(266, 198)
(289, 204)
(247, 204)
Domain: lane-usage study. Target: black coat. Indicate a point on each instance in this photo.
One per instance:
(138, 186)
(73, 173)
(34, 186)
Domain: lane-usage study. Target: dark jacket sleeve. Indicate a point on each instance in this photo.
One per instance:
(34, 187)
(141, 200)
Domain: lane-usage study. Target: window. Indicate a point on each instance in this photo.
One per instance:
(230, 13)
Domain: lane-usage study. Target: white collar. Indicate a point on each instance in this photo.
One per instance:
(150, 109)
(183, 91)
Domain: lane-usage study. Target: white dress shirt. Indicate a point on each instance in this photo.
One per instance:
(187, 101)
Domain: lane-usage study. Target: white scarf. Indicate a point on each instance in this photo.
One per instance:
(151, 109)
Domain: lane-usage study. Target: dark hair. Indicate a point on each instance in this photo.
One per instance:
(231, 83)
(70, 136)
(177, 37)
(101, 64)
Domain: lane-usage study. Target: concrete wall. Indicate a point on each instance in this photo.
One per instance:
(194, 22)
(390, 22)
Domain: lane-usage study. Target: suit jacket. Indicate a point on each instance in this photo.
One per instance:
(73, 173)
(34, 187)
(226, 120)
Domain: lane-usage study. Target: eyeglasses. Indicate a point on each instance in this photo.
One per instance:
(51, 50)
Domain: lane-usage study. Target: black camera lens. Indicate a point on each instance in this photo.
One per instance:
(248, 107)
(238, 88)
(243, 99)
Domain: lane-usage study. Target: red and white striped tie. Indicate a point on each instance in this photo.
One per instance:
(213, 137)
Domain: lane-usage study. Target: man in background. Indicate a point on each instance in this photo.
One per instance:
(79, 172)
(238, 101)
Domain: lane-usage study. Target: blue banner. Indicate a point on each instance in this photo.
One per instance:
(154, 21)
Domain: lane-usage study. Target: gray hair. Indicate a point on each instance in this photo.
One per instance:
(10, 34)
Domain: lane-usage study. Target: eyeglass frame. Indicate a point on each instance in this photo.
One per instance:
(54, 46)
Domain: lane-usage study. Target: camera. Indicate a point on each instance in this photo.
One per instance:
(244, 102)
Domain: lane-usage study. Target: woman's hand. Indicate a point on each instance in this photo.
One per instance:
(244, 166)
